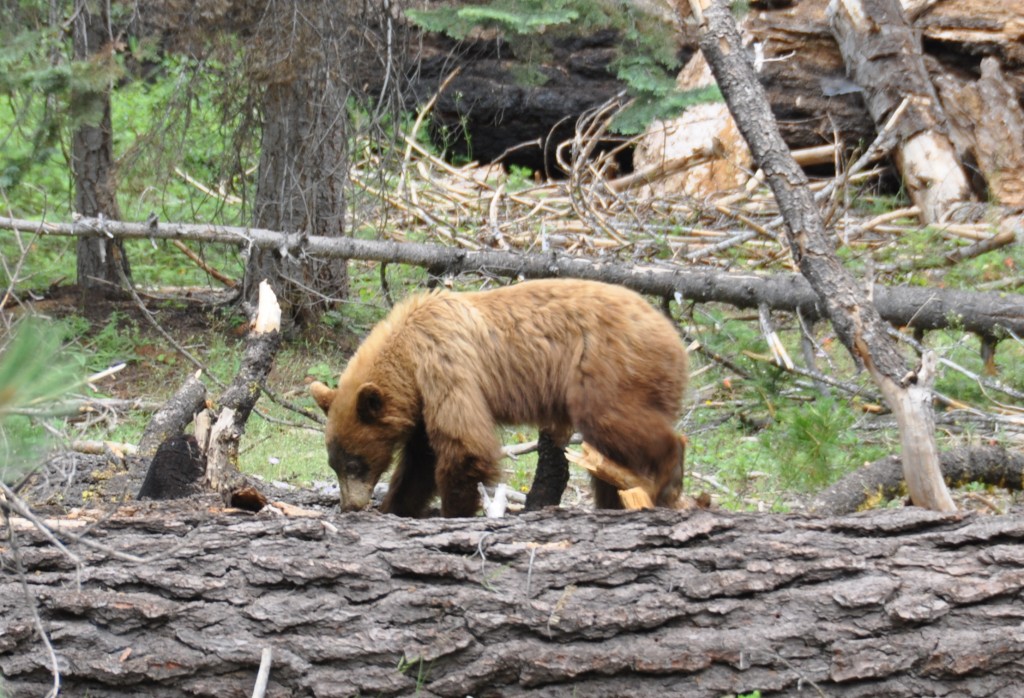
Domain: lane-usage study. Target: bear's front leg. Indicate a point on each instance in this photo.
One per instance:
(461, 431)
(413, 483)
(458, 475)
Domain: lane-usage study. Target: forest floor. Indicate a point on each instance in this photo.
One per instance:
(283, 447)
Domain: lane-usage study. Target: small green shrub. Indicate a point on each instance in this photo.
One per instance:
(34, 371)
(815, 443)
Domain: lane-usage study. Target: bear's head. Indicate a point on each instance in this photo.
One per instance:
(364, 425)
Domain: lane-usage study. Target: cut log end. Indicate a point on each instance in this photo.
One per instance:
(636, 498)
(635, 491)
(268, 311)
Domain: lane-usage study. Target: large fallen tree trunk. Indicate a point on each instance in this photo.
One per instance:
(985, 314)
(895, 603)
(986, 122)
(492, 108)
(806, 78)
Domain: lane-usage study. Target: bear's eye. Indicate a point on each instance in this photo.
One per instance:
(347, 464)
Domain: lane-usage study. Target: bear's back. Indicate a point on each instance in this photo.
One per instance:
(528, 344)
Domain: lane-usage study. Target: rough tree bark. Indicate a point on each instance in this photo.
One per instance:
(805, 76)
(982, 102)
(854, 318)
(92, 154)
(300, 57)
(920, 308)
(895, 603)
(883, 55)
(987, 126)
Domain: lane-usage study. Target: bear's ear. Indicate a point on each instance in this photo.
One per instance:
(370, 403)
(323, 395)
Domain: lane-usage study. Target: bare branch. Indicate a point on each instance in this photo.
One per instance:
(921, 308)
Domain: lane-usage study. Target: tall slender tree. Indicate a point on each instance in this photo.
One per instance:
(311, 61)
(303, 155)
(308, 66)
(92, 148)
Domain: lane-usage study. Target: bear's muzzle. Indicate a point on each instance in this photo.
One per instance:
(354, 495)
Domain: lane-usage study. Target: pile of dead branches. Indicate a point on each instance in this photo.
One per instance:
(593, 212)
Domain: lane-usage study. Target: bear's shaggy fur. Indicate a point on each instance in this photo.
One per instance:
(443, 369)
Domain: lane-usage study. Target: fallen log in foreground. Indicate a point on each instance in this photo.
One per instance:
(895, 603)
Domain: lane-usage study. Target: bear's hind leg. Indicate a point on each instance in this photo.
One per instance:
(645, 443)
(413, 482)
(552, 469)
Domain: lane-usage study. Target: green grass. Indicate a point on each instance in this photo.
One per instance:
(193, 143)
(761, 439)
(803, 446)
(149, 147)
(272, 450)
(48, 260)
(987, 268)
(153, 264)
(758, 439)
(287, 454)
(518, 471)
(736, 459)
(815, 444)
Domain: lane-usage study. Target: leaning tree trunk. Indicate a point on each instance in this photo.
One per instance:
(853, 315)
(889, 603)
(101, 259)
(303, 153)
(883, 55)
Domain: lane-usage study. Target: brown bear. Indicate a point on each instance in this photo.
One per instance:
(437, 376)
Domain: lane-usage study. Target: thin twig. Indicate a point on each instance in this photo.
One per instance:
(983, 383)
(201, 263)
(263, 676)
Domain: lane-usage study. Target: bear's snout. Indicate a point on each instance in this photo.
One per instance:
(354, 495)
(355, 479)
